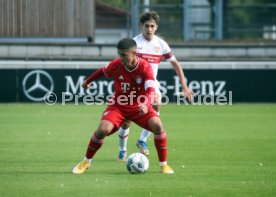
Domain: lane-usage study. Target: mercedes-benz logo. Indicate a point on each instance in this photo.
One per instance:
(36, 84)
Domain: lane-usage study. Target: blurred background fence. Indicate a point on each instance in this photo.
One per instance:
(186, 20)
(250, 21)
(108, 20)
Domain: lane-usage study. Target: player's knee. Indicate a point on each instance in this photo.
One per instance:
(100, 134)
(158, 128)
(156, 125)
(105, 128)
(126, 124)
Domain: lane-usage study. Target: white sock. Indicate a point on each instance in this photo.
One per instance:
(89, 160)
(123, 135)
(163, 163)
(144, 135)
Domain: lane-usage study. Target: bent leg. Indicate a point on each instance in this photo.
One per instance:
(160, 138)
(145, 133)
(152, 122)
(111, 119)
(160, 141)
(96, 141)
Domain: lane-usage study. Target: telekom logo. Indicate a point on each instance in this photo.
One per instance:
(125, 87)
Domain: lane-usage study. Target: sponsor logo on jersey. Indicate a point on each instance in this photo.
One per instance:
(152, 59)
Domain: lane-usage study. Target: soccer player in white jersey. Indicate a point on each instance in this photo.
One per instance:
(152, 48)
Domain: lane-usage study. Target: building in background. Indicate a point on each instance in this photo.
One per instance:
(57, 19)
(111, 23)
(200, 20)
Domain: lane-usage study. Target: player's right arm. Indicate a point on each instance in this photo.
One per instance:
(101, 72)
(94, 76)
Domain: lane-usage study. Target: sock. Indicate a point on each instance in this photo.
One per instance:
(123, 136)
(163, 163)
(160, 142)
(144, 135)
(94, 145)
(88, 160)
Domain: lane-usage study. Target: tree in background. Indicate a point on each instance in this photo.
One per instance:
(247, 19)
(243, 19)
(170, 18)
(118, 3)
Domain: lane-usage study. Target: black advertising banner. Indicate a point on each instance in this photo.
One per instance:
(236, 85)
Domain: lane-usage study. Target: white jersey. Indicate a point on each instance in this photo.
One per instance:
(153, 51)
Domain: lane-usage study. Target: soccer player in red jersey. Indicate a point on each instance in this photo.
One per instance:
(133, 89)
(151, 48)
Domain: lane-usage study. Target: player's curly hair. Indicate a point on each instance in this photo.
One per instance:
(146, 16)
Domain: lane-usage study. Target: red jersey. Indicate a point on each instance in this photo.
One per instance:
(130, 86)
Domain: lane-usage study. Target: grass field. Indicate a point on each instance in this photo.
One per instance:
(214, 150)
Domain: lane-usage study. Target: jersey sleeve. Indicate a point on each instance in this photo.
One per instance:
(149, 85)
(167, 52)
(96, 75)
(149, 77)
(109, 69)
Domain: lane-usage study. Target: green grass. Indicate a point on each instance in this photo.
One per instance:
(214, 150)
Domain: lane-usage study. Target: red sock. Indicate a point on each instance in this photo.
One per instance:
(94, 145)
(160, 142)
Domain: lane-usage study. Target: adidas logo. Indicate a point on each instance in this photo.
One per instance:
(121, 77)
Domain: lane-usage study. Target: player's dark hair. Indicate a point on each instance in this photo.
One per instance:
(146, 16)
(126, 43)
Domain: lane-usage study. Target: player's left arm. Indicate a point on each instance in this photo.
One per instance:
(149, 88)
(179, 71)
(149, 84)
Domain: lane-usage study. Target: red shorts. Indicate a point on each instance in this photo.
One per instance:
(117, 115)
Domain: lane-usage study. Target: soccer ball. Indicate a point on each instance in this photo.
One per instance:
(137, 163)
